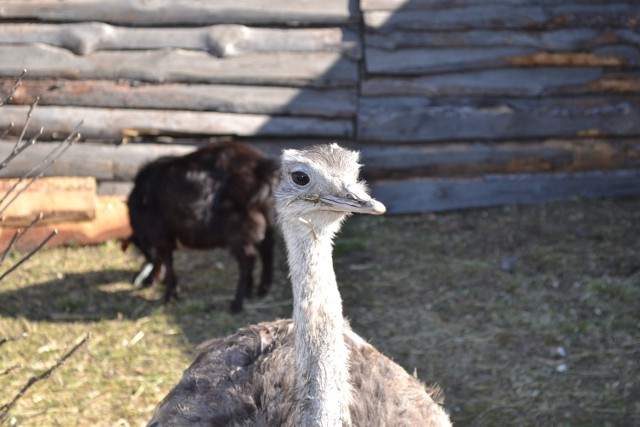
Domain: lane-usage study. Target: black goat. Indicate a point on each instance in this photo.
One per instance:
(214, 197)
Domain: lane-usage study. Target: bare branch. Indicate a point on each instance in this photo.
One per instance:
(13, 89)
(17, 236)
(26, 122)
(9, 370)
(6, 130)
(17, 149)
(32, 175)
(29, 255)
(13, 241)
(38, 170)
(4, 409)
(12, 338)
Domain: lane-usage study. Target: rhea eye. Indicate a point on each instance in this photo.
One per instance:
(300, 178)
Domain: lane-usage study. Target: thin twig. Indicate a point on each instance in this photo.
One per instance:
(38, 170)
(12, 338)
(4, 409)
(17, 236)
(26, 122)
(13, 241)
(9, 370)
(29, 255)
(13, 88)
(17, 148)
(6, 130)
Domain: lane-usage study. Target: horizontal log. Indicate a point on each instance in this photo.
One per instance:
(114, 164)
(218, 40)
(367, 5)
(444, 194)
(115, 124)
(508, 82)
(565, 39)
(479, 158)
(105, 162)
(222, 98)
(419, 61)
(319, 69)
(433, 195)
(115, 188)
(58, 199)
(505, 16)
(416, 119)
(184, 12)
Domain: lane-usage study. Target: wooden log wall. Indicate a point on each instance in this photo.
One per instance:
(438, 71)
(506, 95)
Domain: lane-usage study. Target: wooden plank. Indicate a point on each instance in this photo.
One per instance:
(115, 124)
(433, 195)
(419, 61)
(564, 39)
(219, 40)
(505, 16)
(59, 199)
(223, 98)
(417, 119)
(111, 222)
(508, 82)
(184, 12)
(113, 164)
(319, 69)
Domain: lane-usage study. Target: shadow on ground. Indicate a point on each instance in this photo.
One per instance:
(524, 316)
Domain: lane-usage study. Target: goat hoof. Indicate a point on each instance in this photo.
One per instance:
(263, 292)
(172, 297)
(236, 307)
(146, 283)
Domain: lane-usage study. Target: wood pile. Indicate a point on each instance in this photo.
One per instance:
(454, 104)
(69, 205)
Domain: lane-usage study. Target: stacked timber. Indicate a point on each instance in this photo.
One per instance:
(31, 210)
(521, 86)
(453, 103)
(131, 67)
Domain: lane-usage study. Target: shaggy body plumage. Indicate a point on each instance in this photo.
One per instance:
(248, 379)
(217, 196)
(314, 370)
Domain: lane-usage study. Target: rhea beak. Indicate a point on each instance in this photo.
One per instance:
(352, 202)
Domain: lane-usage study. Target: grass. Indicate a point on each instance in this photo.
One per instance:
(482, 302)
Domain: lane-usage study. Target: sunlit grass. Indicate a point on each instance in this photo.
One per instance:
(427, 290)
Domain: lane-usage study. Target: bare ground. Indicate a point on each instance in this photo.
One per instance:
(524, 315)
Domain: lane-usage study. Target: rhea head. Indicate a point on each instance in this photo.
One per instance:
(319, 185)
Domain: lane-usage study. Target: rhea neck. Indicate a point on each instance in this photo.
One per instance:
(322, 376)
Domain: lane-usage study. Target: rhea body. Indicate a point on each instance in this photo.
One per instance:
(312, 370)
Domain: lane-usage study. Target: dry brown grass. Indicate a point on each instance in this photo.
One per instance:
(428, 290)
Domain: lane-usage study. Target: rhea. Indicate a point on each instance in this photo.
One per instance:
(312, 370)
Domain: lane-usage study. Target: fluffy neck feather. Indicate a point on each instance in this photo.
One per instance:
(322, 376)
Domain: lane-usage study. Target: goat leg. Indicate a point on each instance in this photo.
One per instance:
(144, 278)
(266, 258)
(246, 260)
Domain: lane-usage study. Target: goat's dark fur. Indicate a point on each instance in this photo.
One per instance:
(217, 196)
